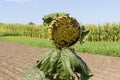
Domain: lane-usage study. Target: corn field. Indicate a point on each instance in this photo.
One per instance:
(106, 32)
(23, 30)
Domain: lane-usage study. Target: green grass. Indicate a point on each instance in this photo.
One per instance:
(102, 48)
(29, 41)
(8, 34)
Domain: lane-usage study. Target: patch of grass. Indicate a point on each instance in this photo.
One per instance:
(2, 34)
(29, 41)
(104, 48)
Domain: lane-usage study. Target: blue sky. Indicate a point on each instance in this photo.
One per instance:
(85, 11)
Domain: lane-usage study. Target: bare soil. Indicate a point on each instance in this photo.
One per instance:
(16, 58)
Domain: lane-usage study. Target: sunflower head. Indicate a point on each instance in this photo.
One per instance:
(64, 31)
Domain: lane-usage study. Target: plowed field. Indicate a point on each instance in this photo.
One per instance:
(16, 58)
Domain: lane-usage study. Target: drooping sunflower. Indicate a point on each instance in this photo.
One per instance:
(64, 31)
(61, 63)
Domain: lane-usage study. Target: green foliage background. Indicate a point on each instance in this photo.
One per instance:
(105, 32)
(38, 31)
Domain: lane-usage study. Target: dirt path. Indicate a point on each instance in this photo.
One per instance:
(15, 59)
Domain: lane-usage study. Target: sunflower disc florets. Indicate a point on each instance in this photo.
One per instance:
(64, 31)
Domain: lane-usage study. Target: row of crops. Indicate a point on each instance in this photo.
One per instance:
(106, 32)
(23, 30)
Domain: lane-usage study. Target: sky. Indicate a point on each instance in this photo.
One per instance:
(85, 11)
